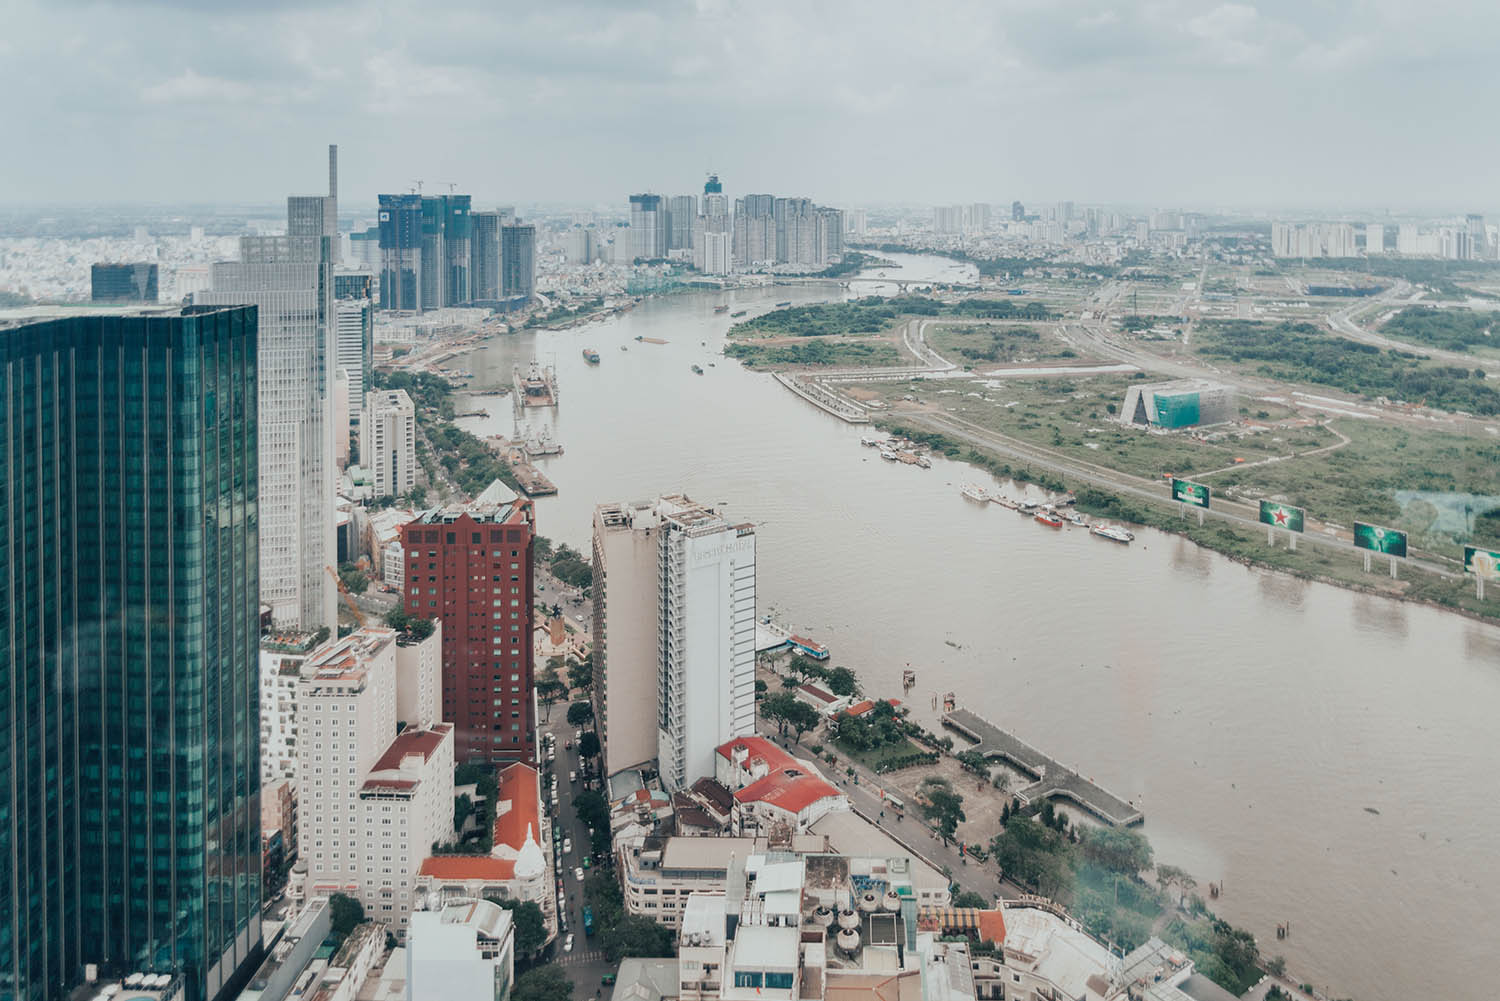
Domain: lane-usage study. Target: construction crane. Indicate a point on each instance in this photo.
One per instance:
(348, 598)
(452, 186)
(418, 184)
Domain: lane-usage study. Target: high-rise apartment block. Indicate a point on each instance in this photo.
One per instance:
(1324, 239)
(354, 335)
(124, 283)
(406, 806)
(400, 224)
(1374, 238)
(649, 225)
(388, 443)
(682, 213)
(790, 232)
(674, 635)
(1017, 212)
(290, 281)
(582, 246)
(470, 565)
(129, 618)
(484, 270)
(517, 259)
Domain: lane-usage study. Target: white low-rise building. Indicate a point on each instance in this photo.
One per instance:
(773, 789)
(462, 949)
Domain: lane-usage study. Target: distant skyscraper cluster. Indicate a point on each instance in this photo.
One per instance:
(435, 252)
(1469, 241)
(763, 231)
(961, 219)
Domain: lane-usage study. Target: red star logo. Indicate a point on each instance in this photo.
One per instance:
(1280, 516)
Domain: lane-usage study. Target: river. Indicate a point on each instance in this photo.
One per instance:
(1330, 756)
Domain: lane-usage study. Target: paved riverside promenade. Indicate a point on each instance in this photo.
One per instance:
(1053, 779)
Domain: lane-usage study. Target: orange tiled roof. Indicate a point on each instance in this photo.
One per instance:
(464, 868)
(518, 784)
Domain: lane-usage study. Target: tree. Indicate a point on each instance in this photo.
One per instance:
(581, 672)
(543, 983)
(789, 682)
(345, 913)
(841, 681)
(778, 709)
(588, 746)
(974, 761)
(946, 807)
(801, 716)
(592, 809)
(1030, 851)
(761, 687)
(416, 497)
(1125, 852)
(531, 926)
(463, 808)
(968, 898)
(580, 714)
(549, 691)
(634, 935)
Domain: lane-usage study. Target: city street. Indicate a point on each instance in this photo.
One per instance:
(586, 963)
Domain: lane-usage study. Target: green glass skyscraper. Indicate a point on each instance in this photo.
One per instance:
(129, 724)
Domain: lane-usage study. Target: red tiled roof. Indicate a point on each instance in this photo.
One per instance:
(860, 708)
(787, 789)
(518, 784)
(463, 868)
(759, 748)
(813, 691)
(423, 742)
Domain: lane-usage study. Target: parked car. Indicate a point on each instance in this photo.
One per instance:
(568, 943)
(572, 776)
(567, 846)
(578, 873)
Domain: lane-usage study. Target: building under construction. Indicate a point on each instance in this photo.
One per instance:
(1181, 404)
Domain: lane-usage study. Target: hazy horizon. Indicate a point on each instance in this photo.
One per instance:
(1168, 103)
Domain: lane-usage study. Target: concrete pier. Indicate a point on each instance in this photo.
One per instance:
(1053, 779)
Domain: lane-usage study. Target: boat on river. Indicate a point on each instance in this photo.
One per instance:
(697, 369)
(1113, 533)
(975, 494)
(721, 309)
(738, 313)
(591, 356)
(781, 304)
(1048, 518)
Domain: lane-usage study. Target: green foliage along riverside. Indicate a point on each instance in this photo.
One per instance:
(1301, 352)
(823, 352)
(1449, 329)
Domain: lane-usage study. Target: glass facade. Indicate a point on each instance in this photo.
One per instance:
(129, 780)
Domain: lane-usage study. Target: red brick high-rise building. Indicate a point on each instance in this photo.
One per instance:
(471, 565)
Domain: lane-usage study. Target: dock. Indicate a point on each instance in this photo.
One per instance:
(533, 483)
(824, 398)
(1054, 780)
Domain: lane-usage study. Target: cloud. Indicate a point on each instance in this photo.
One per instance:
(192, 87)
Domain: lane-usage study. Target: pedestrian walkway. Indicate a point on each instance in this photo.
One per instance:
(1053, 779)
(579, 956)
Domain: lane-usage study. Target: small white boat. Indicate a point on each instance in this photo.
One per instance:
(888, 455)
(1113, 533)
(870, 442)
(975, 494)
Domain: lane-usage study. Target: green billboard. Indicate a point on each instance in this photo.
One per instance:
(1189, 492)
(1281, 516)
(1482, 563)
(1379, 540)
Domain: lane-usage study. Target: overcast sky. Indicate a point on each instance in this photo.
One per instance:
(1383, 103)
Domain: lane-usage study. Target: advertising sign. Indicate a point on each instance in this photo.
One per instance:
(1281, 516)
(1482, 563)
(1379, 540)
(1189, 492)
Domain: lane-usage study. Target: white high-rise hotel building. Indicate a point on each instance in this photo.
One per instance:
(290, 280)
(691, 679)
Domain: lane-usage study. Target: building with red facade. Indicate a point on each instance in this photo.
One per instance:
(470, 565)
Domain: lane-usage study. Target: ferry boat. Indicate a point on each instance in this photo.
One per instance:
(809, 648)
(1075, 518)
(697, 370)
(721, 309)
(781, 304)
(975, 494)
(1113, 533)
(888, 455)
(738, 313)
(1049, 519)
(870, 442)
(591, 356)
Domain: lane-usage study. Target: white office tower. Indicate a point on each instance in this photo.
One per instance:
(290, 280)
(346, 718)
(388, 443)
(713, 236)
(697, 572)
(340, 416)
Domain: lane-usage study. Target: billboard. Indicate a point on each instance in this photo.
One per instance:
(1189, 492)
(1379, 540)
(1281, 516)
(1482, 563)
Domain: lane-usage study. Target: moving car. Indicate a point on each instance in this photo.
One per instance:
(568, 944)
(567, 846)
(578, 873)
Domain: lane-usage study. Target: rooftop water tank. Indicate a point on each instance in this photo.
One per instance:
(848, 919)
(869, 902)
(848, 941)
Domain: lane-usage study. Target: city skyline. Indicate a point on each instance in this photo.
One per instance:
(1168, 103)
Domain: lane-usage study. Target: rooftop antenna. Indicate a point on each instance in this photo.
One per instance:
(418, 183)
